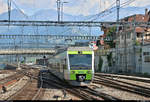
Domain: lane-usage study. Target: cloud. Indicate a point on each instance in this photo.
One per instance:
(3, 7)
(83, 7)
(74, 7)
(140, 3)
(37, 3)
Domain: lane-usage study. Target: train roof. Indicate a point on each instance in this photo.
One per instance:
(80, 49)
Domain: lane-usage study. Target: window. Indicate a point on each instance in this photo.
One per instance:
(146, 53)
(139, 35)
(147, 59)
(80, 61)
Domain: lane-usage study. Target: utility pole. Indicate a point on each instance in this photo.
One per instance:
(117, 34)
(62, 6)
(9, 9)
(125, 51)
(118, 8)
(58, 9)
(141, 53)
(134, 45)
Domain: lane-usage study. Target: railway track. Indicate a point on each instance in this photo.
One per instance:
(77, 92)
(12, 78)
(135, 78)
(19, 74)
(100, 94)
(85, 93)
(30, 91)
(60, 84)
(125, 86)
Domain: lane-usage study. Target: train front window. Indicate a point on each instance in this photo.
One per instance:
(80, 61)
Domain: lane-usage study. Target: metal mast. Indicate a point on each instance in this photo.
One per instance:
(62, 8)
(9, 9)
(118, 8)
(58, 9)
(117, 33)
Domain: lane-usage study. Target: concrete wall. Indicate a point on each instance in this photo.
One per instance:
(96, 62)
(145, 65)
(105, 67)
(141, 65)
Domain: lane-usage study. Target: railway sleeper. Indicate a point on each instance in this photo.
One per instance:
(124, 88)
(138, 86)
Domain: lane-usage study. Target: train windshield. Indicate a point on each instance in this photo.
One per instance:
(80, 61)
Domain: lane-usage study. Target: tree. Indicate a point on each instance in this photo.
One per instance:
(109, 37)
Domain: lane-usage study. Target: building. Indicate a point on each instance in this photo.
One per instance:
(134, 45)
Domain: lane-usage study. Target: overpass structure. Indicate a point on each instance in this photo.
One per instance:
(10, 36)
(27, 51)
(71, 23)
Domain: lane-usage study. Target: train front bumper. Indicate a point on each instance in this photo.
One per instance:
(81, 75)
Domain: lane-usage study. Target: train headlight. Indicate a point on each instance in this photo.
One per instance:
(73, 72)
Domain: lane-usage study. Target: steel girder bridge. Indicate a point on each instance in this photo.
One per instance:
(27, 51)
(9, 36)
(71, 23)
(64, 23)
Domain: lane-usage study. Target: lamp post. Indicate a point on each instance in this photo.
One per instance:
(62, 4)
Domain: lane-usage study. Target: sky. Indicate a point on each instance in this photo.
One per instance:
(73, 7)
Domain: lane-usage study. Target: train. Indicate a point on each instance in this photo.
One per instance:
(79, 70)
(80, 65)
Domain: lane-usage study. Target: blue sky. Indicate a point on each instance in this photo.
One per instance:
(74, 7)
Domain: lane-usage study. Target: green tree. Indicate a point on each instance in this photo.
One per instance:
(109, 37)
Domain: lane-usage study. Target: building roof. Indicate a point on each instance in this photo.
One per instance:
(139, 30)
(139, 17)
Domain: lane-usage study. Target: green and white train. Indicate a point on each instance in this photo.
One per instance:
(80, 65)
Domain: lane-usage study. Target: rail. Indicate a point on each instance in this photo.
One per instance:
(125, 86)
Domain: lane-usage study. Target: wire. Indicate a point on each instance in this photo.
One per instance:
(96, 15)
(109, 11)
(26, 16)
(127, 3)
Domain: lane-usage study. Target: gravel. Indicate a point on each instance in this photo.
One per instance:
(119, 93)
(51, 94)
(136, 82)
(14, 88)
(6, 75)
